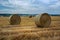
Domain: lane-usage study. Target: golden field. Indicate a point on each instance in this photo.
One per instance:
(27, 30)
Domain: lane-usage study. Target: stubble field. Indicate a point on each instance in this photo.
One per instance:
(27, 30)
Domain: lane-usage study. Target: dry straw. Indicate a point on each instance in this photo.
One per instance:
(43, 20)
(14, 19)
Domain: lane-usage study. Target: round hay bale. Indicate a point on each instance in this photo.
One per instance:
(15, 19)
(30, 16)
(43, 20)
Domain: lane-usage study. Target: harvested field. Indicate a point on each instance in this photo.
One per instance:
(27, 30)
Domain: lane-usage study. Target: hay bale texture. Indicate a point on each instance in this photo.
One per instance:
(43, 20)
(14, 19)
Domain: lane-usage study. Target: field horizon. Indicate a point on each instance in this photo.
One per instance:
(27, 14)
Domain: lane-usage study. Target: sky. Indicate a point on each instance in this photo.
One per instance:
(29, 6)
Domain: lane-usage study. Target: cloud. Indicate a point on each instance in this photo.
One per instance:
(45, 1)
(56, 5)
(22, 6)
(48, 1)
(29, 6)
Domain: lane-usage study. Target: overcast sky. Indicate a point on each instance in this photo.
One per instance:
(30, 6)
